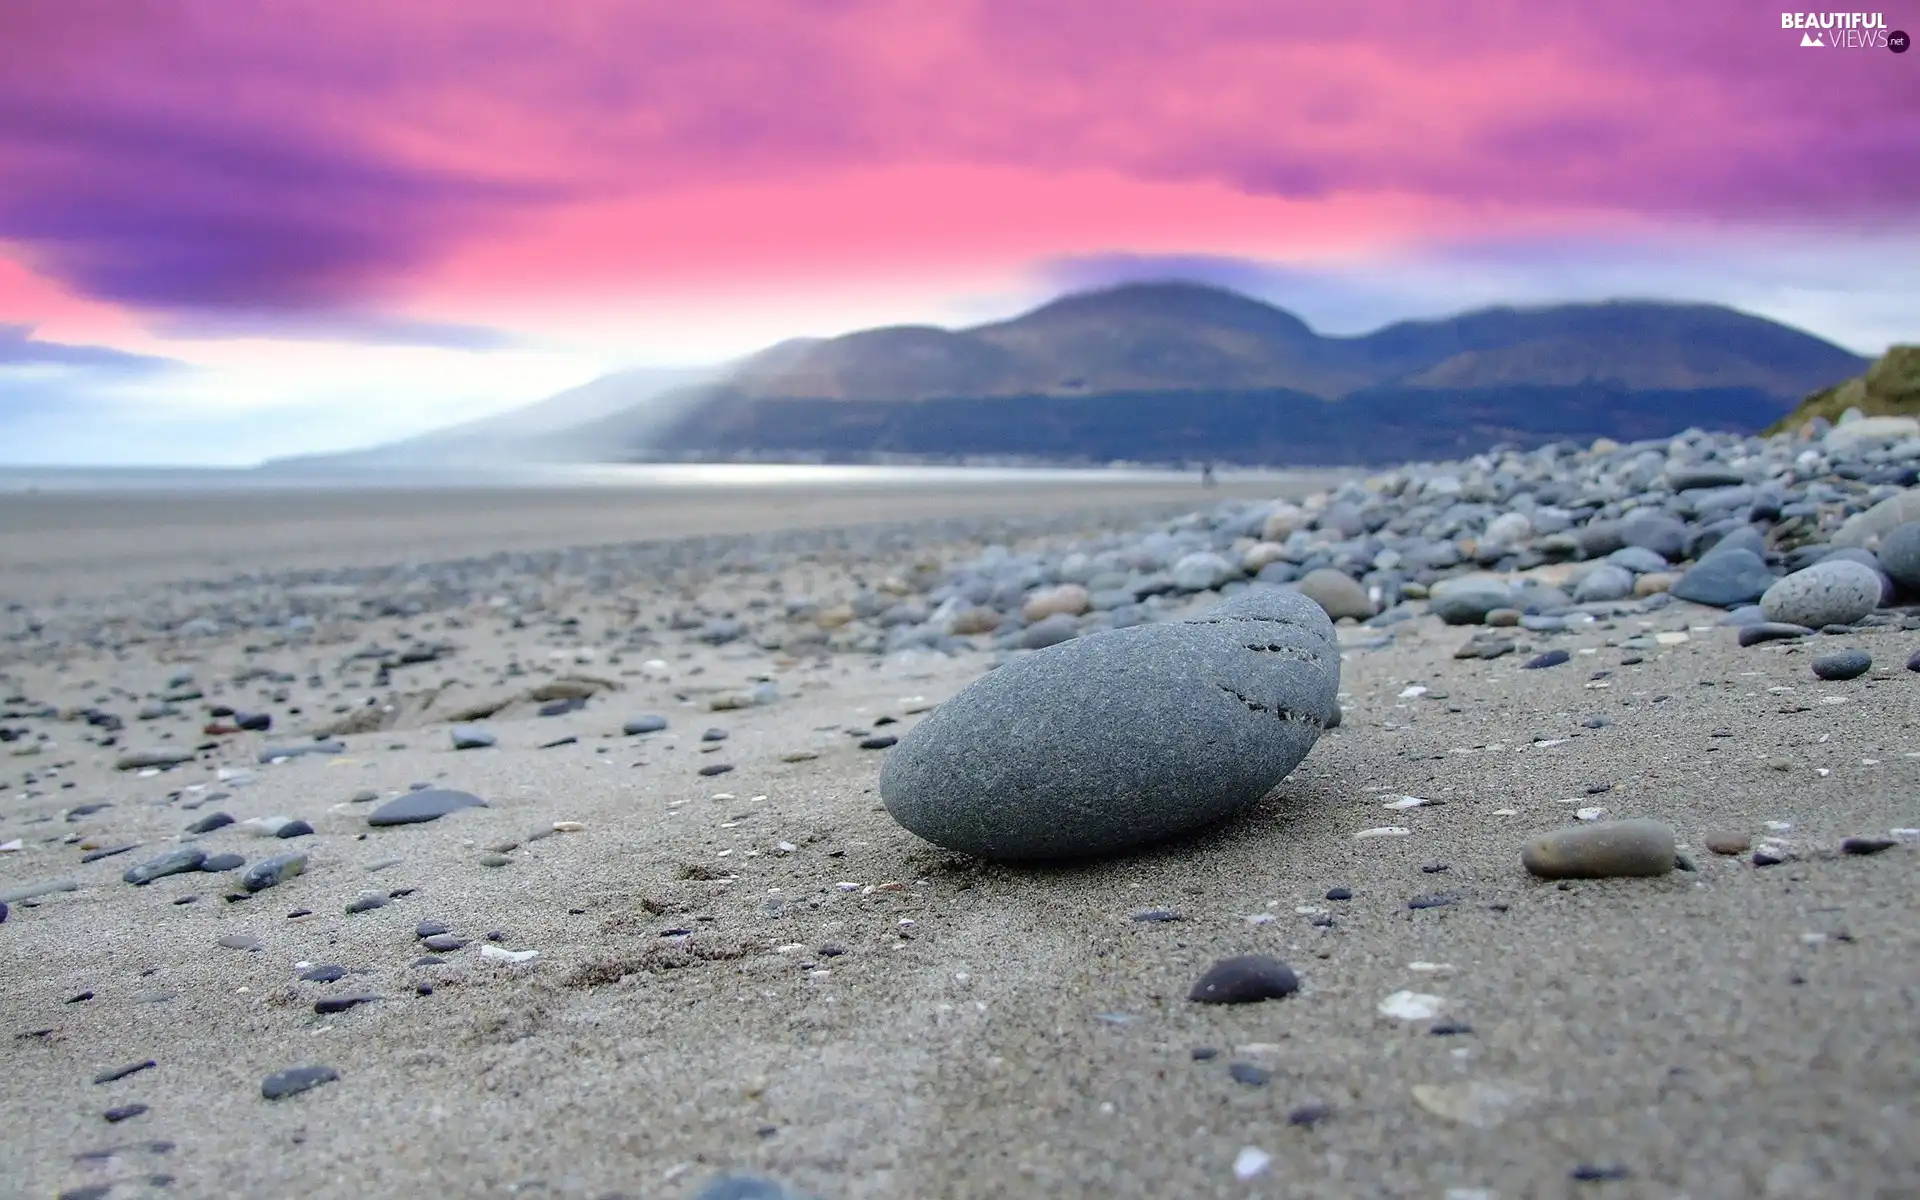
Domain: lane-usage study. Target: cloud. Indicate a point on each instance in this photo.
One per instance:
(312, 160)
(19, 348)
(366, 329)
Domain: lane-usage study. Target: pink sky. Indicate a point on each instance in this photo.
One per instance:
(469, 174)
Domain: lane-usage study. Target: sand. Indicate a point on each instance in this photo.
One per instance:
(985, 1031)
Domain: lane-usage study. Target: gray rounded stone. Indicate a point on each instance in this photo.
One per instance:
(1468, 600)
(1604, 582)
(427, 804)
(1662, 534)
(1900, 555)
(472, 737)
(1202, 571)
(1725, 579)
(173, 862)
(650, 723)
(1337, 593)
(1124, 738)
(1842, 665)
(1601, 850)
(1834, 592)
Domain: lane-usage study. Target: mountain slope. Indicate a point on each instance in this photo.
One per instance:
(1889, 388)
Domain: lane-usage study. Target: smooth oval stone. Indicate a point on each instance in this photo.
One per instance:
(298, 750)
(1770, 631)
(1834, 592)
(749, 1187)
(1728, 842)
(294, 1080)
(1601, 850)
(210, 822)
(651, 723)
(1606, 582)
(1468, 599)
(1843, 664)
(1337, 593)
(1123, 738)
(1245, 979)
(173, 862)
(428, 804)
(223, 862)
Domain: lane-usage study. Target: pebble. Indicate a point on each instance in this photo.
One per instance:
(229, 861)
(140, 760)
(340, 1004)
(1153, 731)
(1601, 850)
(1728, 842)
(1770, 631)
(748, 1187)
(1835, 592)
(1552, 658)
(1337, 593)
(427, 804)
(1245, 979)
(300, 750)
(173, 862)
(210, 822)
(272, 872)
(118, 1073)
(650, 723)
(471, 737)
(294, 1080)
(1866, 845)
(1842, 665)
(123, 1112)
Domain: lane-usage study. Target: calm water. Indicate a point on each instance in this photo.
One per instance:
(647, 475)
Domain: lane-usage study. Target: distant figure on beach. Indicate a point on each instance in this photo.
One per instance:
(1206, 474)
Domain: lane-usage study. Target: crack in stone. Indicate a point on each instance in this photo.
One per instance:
(1284, 651)
(1289, 715)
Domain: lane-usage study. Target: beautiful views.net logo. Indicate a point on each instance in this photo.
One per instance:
(1848, 31)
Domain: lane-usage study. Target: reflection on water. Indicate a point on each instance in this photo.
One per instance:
(649, 475)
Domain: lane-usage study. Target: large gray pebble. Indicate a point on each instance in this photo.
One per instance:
(1468, 599)
(1121, 739)
(1834, 592)
(427, 804)
(1604, 582)
(1725, 579)
(1337, 593)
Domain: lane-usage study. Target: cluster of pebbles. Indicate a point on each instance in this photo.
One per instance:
(1141, 683)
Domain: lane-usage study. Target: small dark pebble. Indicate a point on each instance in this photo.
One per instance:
(297, 913)
(1588, 1173)
(1245, 979)
(123, 1112)
(108, 852)
(223, 862)
(1205, 1053)
(1419, 902)
(878, 743)
(1339, 893)
(716, 768)
(427, 960)
(80, 999)
(1762, 859)
(324, 974)
(565, 741)
(94, 1191)
(442, 943)
(1842, 665)
(1155, 914)
(1551, 658)
(1309, 1114)
(367, 903)
(1449, 1028)
(294, 1080)
(716, 734)
(1433, 868)
(1249, 1074)
(427, 929)
(119, 1073)
(340, 1004)
(294, 828)
(210, 822)
(1913, 661)
(424, 989)
(1866, 845)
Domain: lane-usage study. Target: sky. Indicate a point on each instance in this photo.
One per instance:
(230, 231)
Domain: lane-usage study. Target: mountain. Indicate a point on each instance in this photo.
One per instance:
(646, 398)
(1179, 371)
(1889, 388)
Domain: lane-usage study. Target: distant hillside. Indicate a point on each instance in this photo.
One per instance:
(1176, 371)
(1888, 388)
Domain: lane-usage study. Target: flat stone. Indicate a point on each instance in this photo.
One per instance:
(1899, 555)
(1843, 665)
(272, 872)
(1467, 600)
(749, 1187)
(1337, 593)
(1834, 592)
(1123, 738)
(1770, 631)
(173, 862)
(140, 760)
(300, 750)
(428, 804)
(33, 891)
(1245, 979)
(211, 822)
(1866, 845)
(294, 1080)
(1601, 850)
(229, 861)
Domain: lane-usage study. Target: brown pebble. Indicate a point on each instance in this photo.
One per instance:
(1725, 841)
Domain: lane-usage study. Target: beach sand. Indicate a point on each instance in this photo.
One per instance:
(760, 971)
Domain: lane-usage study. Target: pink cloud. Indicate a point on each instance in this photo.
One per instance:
(305, 158)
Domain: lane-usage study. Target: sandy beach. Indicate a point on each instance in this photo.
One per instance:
(666, 975)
